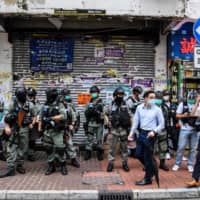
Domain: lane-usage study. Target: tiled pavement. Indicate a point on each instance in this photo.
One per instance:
(95, 174)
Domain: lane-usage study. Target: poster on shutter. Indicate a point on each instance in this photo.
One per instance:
(146, 84)
(160, 84)
(51, 54)
(108, 55)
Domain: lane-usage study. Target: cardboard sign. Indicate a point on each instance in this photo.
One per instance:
(83, 98)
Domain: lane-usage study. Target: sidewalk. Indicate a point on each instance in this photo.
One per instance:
(91, 176)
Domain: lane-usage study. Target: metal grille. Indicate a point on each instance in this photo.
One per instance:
(137, 62)
(115, 195)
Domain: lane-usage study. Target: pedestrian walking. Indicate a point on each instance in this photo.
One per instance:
(149, 120)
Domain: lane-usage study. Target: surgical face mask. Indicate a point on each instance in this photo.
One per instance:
(94, 95)
(67, 98)
(158, 101)
(166, 98)
(152, 102)
(190, 101)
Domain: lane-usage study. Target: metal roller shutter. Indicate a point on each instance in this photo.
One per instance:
(137, 62)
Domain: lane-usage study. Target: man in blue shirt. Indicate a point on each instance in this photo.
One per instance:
(149, 120)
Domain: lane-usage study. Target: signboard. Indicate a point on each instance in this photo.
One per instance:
(196, 30)
(51, 54)
(197, 57)
(181, 47)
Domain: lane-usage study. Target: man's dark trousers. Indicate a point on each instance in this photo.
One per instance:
(144, 152)
(196, 172)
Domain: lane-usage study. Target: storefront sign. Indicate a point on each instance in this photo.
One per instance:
(51, 54)
(182, 47)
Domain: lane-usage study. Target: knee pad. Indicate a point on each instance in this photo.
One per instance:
(123, 138)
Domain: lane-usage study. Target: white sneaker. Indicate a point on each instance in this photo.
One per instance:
(190, 168)
(184, 158)
(175, 168)
(167, 156)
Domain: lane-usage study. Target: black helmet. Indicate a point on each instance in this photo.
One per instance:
(94, 89)
(138, 89)
(166, 92)
(119, 90)
(20, 94)
(65, 91)
(159, 95)
(51, 95)
(31, 92)
(10, 119)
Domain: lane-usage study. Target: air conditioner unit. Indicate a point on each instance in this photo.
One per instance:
(197, 57)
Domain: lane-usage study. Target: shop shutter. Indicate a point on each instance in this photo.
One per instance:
(137, 61)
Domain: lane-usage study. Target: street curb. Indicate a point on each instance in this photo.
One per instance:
(148, 194)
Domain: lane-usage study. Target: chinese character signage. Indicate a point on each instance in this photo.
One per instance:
(51, 54)
(181, 47)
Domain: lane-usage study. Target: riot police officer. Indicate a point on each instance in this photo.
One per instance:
(70, 123)
(162, 139)
(134, 100)
(117, 117)
(52, 121)
(94, 124)
(18, 120)
(34, 134)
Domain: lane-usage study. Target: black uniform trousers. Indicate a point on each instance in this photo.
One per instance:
(196, 172)
(144, 152)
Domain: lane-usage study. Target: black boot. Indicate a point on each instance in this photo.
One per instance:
(110, 167)
(75, 162)
(2, 157)
(31, 158)
(100, 155)
(63, 168)
(88, 155)
(125, 166)
(10, 172)
(163, 166)
(51, 168)
(20, 169)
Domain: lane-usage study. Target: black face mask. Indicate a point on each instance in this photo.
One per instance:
(51, 98)
(119, 99)
(21, 99)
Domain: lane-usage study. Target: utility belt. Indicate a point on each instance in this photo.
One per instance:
(97, 120)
